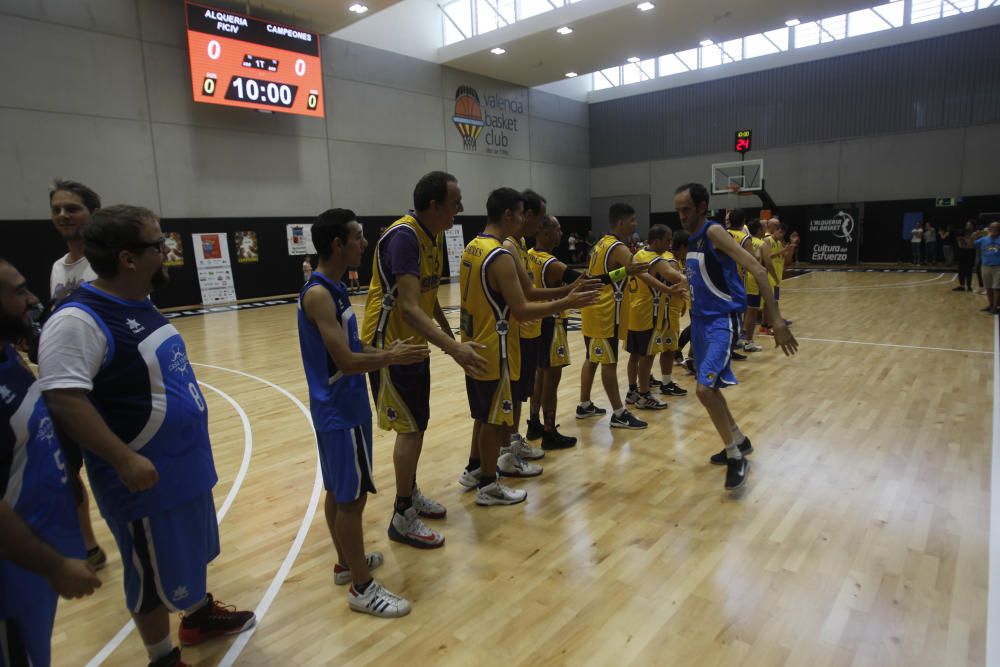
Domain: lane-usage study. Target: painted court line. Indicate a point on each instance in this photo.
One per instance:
(993, 596)
(286, 566)
(860, 287)
(127, 629)
(906, 347)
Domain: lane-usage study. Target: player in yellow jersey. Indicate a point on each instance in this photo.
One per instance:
(402, 305)
(531, 331)
(648, 294)
(676, 309)
(491, 297)
(602, 323)
(779, 253)
(759, 248)
(548, 271)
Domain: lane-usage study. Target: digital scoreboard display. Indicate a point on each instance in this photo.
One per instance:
(743, 141)
(240, 61)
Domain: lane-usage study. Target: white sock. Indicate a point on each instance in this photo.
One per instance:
(668, 379)
(733, 452)
(737, 435)
(159, 649)
(515, 437)
(619, 412)
(586, 404)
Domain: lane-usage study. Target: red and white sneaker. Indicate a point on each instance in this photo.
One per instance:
(214, 619)
(172, 659)
(409, 529)
(431, 509)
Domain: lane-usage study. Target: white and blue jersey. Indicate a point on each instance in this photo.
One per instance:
(716, 286)
(337, 401)
(147, 394)
(33, 482)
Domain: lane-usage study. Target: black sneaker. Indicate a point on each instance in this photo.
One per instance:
(736, 473)
(738, 357)
(172, 659)
(672, 389)
(627, 420)
(653, 382)
(721, 458)
(96, 558)
(678, 357)
(535, 429)
(689, 366)
(591, 411)
(555, 440)
(214, 619)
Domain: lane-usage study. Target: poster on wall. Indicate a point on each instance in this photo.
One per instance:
(454, 244)
(246, 248)
(215, 273)
(300, 240)
(175, 249)
(487, 116)
(831, 236)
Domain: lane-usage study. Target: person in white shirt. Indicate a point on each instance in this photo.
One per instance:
(72, 204)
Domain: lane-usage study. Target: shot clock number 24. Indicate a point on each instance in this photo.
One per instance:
(241, 61)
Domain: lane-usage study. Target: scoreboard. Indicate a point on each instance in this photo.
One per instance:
(743, 141)
(241, 61)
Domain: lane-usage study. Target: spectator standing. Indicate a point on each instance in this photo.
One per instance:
(916, 238)
(930, 244)
(989, 253)
(966, 257)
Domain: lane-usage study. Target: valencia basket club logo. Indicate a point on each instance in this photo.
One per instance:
(468, 118)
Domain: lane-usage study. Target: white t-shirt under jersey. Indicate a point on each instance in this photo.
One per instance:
(67, 276)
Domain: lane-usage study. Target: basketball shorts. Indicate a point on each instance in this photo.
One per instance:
(491, 401)
(672, 338)
(165, 556)
(402, 397)
(602, 350)
(345, 458)
(523, 387)
(554, 348)
(991, 276)
(646, 343)
(26, 626)
(712, 343)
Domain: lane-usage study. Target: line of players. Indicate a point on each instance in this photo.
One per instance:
(116, 380)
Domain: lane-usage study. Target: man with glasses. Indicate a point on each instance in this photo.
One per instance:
(116, 378)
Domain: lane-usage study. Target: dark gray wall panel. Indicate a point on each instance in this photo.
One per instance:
(934, 84)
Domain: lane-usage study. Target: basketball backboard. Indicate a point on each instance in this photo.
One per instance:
(742, 176)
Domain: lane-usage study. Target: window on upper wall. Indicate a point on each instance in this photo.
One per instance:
(765, 43)
(682, 61)
(457, 21)
(640, 71)
(607, 78)
(865, 21)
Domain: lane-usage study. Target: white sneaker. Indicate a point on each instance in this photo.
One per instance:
(498, 494)
(427, 507)
(377, 601)
(522, 450)
(751, 346)
(469, 478)
(631, 396)
(342, 575)
(409, 529)
(509, 465)
(650, 402)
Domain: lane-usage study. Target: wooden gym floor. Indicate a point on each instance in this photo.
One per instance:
(861, 538)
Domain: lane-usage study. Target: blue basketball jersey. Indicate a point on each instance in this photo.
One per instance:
(147, 393)
(716, 285)
(337, 401)
(33, 478)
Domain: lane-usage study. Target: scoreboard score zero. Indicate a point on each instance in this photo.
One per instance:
(241, 61)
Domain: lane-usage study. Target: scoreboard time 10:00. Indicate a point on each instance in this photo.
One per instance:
(254, 64)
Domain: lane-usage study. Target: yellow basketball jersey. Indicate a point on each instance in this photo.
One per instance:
(601, 319)
(777, 261)
(532, 329)
(748, 279)
(383, 321)
(538, 262)
(485, 314)
(645, 309)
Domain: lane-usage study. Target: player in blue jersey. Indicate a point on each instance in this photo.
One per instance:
(718, 299)
(335, 362)
(41, 549)
(117, 380)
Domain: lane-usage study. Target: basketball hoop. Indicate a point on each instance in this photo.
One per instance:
(738, 191)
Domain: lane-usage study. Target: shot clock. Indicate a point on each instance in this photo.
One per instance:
(241, 61)
(743, 141)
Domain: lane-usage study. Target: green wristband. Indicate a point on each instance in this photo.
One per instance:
(617, 275)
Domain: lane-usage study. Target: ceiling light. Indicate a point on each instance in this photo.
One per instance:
(645, 6)
(565, 30)
(706, 42)
(358, 8)
(633, 59)
(498, 51)
(570, 75)
(791, 23)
